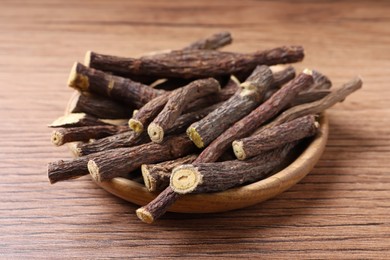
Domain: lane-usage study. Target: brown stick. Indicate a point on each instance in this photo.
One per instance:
(74, 134)
(99, 107)
(157, 207)
(275, 137)
(337, 95)
(213, 42)
(121, 161)
(194, 63)
(124, 90)
(207, 129)
(309, 96)
(257, 117)
(321, 82)
(220, 176)
(126, 139)
(82, 119)
(176, 103)
(156, 176)
(282, 77)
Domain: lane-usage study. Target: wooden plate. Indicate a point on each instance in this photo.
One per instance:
(235, 198)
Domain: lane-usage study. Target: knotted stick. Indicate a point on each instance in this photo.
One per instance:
(245, 100)
(176, 103)
(194, 63)
(275, 137)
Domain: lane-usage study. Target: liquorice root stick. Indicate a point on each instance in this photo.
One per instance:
(150, 110)
(337, 95)
(275, 137)
(156, 176)
(98, 106)
(213, 42)
(84, 133)
(126, 139)
(121, 89)
(257, 117)
(282, 77)
(121, 161)
(252, 93)
(194, 63)
(132, 138)
(176, 103)
(82, 119)
(220, 176)
(309, 96)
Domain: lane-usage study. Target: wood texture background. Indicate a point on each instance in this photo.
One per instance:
(340, 210)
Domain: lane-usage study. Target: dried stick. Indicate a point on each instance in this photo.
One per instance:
(309, 96)
(157, 207)
(99, 107)
(156, 176)
(207, 129)
(84, 133)
(220, 176)
(194, 63)
(213, 42)
(121, 89)
(82, 119)
(337, 95)
(132, 138)
(321, 82)
(150, 110)
(176, 103)
(282, 77)
(121, 161)
(257, 117)
(275, 137)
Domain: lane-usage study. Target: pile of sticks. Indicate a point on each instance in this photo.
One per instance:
(193, 120)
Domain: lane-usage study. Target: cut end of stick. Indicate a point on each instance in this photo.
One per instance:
(76, 80)
(144, 215)
(57, 138)
(149, 181)
(156, 133)
(195, 137)
(94, 171)
(87, 58)
(238, 149)
(185, 179)
(136, 125)
(308, 72)
(67, 119)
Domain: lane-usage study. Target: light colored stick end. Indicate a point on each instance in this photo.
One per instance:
(195, 137)
(77, 80)
(308, 72)
(94, 171)
(136, 125)
(67, 119)
(156, 133)
(150, 182)
(144, 215)
(87, 58)
(185, 179)
(238, 150)
(57, 138)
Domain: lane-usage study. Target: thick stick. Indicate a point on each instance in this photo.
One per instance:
(220, 176)
(337, 95)
(275, 137)
(74, 134)
(257, 117)
(121, 161)
(82, 119)
(176, 103)
(124, 90)
(99, 107)
(194, 63)
(252, 93)
(156, 176)
(213, 42)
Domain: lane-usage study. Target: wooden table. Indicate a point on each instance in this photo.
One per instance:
(340, 210)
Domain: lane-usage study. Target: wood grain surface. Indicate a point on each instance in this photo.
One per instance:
(340, 210)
